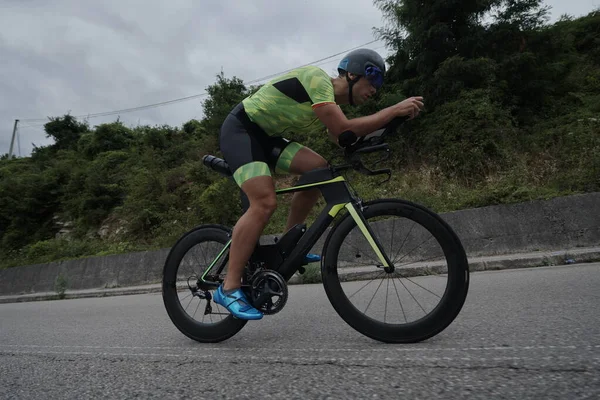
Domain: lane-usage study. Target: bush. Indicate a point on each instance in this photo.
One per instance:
(54, 249)
(220, 203)
(468, 138)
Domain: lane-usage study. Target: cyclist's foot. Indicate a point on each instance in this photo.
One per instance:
(236, 303)
(310, 258)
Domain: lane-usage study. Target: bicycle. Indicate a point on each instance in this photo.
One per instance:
(272, 265)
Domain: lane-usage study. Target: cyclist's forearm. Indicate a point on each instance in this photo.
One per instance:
(364, 125)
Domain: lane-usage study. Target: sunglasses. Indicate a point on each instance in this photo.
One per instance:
(374, 76)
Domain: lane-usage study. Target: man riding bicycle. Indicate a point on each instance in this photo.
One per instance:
(303, 100)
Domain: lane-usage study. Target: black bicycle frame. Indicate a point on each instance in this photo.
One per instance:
(337, 195)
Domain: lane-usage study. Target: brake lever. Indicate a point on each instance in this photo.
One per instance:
(383, 158)
(381, 171)
(389, 176)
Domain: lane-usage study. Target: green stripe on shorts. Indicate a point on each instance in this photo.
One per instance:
(287, 155)
(250, 170)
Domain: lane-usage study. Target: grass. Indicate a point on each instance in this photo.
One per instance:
(312, 273)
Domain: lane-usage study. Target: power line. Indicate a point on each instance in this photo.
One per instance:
(126, 110)
(314, 62)
(322, 61)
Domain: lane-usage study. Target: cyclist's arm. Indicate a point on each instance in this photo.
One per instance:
(336, 122)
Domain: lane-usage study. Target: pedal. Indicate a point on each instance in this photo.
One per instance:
(301, 270)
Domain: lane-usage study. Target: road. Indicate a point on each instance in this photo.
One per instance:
(530, 333)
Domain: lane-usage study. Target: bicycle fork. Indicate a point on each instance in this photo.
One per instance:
(368, 233)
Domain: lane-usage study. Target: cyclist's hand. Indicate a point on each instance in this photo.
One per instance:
(410, 107)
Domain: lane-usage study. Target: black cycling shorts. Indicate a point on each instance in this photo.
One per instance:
(250, 151)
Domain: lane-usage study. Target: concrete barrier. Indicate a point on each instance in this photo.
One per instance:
(557, 224)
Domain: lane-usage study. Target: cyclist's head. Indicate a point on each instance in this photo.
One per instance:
(360, 63)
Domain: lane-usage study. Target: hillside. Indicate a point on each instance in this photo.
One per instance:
(512, 114)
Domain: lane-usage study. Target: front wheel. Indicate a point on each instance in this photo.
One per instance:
(415, 300)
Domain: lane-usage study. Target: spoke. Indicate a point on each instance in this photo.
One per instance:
(204, 254)
(375, 270)
(365, 285)
(411, 295)
(422, 287)
(194, 316)
(376, 290)
(392, 240)
(219, 308)
(414, 248)
(399, 301)
(185, 297)
(404, 241)
(387, 288)
(362, 251)
(187, 266)
(414, 262)
(189, 303)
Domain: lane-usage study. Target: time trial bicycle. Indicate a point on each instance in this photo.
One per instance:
(409, 259)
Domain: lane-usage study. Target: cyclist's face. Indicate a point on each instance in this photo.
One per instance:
(362, 90)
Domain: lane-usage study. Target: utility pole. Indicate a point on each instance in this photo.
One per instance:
(12, 141)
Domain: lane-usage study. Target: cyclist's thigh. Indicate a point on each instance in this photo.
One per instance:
(296, 158)
(243, 152)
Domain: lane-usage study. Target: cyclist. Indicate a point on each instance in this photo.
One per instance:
(251, 141)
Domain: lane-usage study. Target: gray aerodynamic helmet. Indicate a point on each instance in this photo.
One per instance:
(358, 60)
(364, 63)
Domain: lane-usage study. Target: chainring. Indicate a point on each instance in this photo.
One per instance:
(265, 286)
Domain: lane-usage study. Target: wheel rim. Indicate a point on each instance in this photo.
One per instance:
(417, 287)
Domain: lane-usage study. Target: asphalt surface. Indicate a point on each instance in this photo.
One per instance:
(530, 333)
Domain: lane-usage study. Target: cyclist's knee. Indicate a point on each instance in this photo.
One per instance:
(261, 196)
(320, 162)
(264, 206)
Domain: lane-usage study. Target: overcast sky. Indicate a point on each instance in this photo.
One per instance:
(83, 57)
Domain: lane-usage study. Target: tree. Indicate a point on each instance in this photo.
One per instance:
(65, 131)
(222, 97)
(426, 34)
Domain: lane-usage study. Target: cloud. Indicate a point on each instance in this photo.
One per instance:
(68, 56)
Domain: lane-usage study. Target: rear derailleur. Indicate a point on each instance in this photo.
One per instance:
(202, 293)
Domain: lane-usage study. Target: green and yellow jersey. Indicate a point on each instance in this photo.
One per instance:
(286, 103)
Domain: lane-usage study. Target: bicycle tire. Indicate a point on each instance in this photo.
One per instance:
(450, 304)
(181, 319)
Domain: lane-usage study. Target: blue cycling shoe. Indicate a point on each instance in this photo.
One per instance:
(236, 303)
(310, 258)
